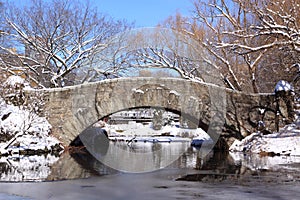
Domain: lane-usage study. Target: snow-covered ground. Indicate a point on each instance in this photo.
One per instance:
(21, 129)
(26, 130)
(139, 132)
(285, 142)
(138, 129)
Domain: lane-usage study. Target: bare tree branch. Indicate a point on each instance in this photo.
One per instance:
(54, 39)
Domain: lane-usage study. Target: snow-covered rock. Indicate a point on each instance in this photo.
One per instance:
(202, 138)
(174, 92)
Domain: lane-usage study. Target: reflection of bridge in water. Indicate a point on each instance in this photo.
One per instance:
(215, 166)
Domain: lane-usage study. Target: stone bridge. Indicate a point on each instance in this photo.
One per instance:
(217, 110)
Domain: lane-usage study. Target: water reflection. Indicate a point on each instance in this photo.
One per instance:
(201, 165)
(256, 162)
(67, 168)
(142, 157)
(26, 168)
(216, 166)
(245, 168)
(89, 163)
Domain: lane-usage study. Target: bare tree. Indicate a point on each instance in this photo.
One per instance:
(156, 73)
(247, 33)
(168, 49)
(214, 18)
(278, 23)
(242, 38)
(57, 41)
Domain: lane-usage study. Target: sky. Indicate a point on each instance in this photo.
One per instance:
(145, 13)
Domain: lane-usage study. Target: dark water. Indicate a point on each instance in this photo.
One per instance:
(196, 174)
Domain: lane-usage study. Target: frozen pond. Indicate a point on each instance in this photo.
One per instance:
(218, 175)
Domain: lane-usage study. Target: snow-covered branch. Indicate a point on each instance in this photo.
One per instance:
(55, 39)
(243, 33)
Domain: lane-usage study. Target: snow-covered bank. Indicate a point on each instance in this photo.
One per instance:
(146, 130)
(24, 132)
(285, 142)
(138, 132)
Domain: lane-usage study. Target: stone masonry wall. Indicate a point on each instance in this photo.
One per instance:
(72, 109)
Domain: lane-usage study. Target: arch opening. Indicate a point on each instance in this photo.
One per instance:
(142, 138)
(158, 121)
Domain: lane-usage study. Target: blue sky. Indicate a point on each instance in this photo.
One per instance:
(145, 13)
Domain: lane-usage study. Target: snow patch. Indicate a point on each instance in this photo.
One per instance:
(14, 81)
(283, 86)
(146, 130)
(138, 91)
(174, 92)
(286, 142)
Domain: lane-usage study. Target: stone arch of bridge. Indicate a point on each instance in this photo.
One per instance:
(72, 109)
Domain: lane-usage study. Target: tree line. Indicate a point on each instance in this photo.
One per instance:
(248, 45)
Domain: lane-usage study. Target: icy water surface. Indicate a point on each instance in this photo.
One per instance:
(218, 175)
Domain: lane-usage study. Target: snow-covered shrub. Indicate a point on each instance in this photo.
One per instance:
(14, 120)
(19, 113)
(23, 128)
(12, 90)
